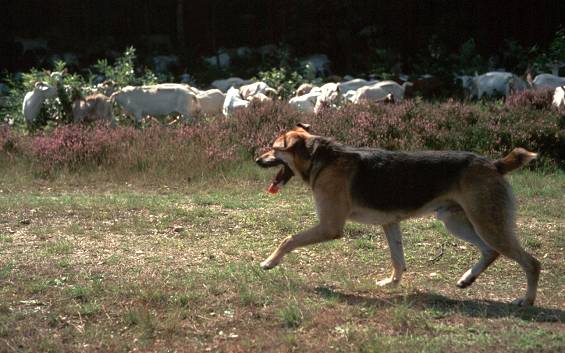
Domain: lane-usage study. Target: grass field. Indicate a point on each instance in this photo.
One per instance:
(98, 265)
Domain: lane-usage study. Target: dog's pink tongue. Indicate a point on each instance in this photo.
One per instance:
(273, 188)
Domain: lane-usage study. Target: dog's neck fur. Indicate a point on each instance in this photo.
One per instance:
(318, 151)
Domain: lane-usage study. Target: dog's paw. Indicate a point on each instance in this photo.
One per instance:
(464, 283)
(523, 302)
(267, 265)
(388, 282)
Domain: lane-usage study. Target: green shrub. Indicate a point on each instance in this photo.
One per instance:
(123, 71)
(283, 80)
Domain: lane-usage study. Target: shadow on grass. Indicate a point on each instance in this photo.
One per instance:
(444, 305)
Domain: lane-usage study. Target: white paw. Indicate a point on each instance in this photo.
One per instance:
(267, 264)
(388, 282)
(465, 282)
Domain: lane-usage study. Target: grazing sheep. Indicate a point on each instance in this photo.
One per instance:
(493, 83)
(330, 96)
(233, 102)
(210, 102)
(355, 84)
(544, 81)
(303, 89)
(305, 103)
(254, 88)
(96, 107)
(379, 91)
(259, 97)
(156, 100)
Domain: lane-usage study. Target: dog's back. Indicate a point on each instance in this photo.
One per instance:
(389, 181)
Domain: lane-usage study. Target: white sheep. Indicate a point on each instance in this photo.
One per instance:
(559, 97)
(330, 96)
(493, 83)
(260, 97)
(306, 102)
(210, 102)
(543, 81)
(156, 100)
(355, 84)
(380, 91)
(33, 100)
(303, 89)
(233, 102)
(254, 88)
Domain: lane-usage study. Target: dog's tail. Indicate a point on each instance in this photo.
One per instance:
(518, 158)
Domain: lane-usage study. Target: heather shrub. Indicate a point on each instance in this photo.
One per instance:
(492, 129)
(218, 143)
(75, 146)
(8, 139)
(536, 99)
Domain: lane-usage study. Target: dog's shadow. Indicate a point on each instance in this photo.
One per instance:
(472, 308)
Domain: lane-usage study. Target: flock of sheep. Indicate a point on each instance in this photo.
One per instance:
(229, 95)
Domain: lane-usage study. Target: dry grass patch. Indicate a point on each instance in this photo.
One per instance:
(118, 267)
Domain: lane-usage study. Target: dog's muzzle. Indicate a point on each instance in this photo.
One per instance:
(269, 161)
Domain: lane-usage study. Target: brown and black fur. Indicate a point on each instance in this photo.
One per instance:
(467, 192)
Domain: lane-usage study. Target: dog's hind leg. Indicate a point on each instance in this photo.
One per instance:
(394, 239)
(457, 224)
(489, 206)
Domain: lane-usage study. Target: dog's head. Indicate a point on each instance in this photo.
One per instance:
(289, 150)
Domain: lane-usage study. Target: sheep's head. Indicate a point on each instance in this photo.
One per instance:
(45, 89)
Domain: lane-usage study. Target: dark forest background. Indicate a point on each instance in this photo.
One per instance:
(347, 31)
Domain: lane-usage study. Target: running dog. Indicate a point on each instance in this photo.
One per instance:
(467, 192)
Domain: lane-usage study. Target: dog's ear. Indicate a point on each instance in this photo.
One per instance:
(305, 126)
(289, 141)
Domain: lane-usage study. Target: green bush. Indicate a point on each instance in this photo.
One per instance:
(123, 71)
(284, 81)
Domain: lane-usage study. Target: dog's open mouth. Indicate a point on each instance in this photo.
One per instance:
(281, 178)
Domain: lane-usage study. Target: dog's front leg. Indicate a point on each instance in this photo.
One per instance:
(313, 235)
(394, 238)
